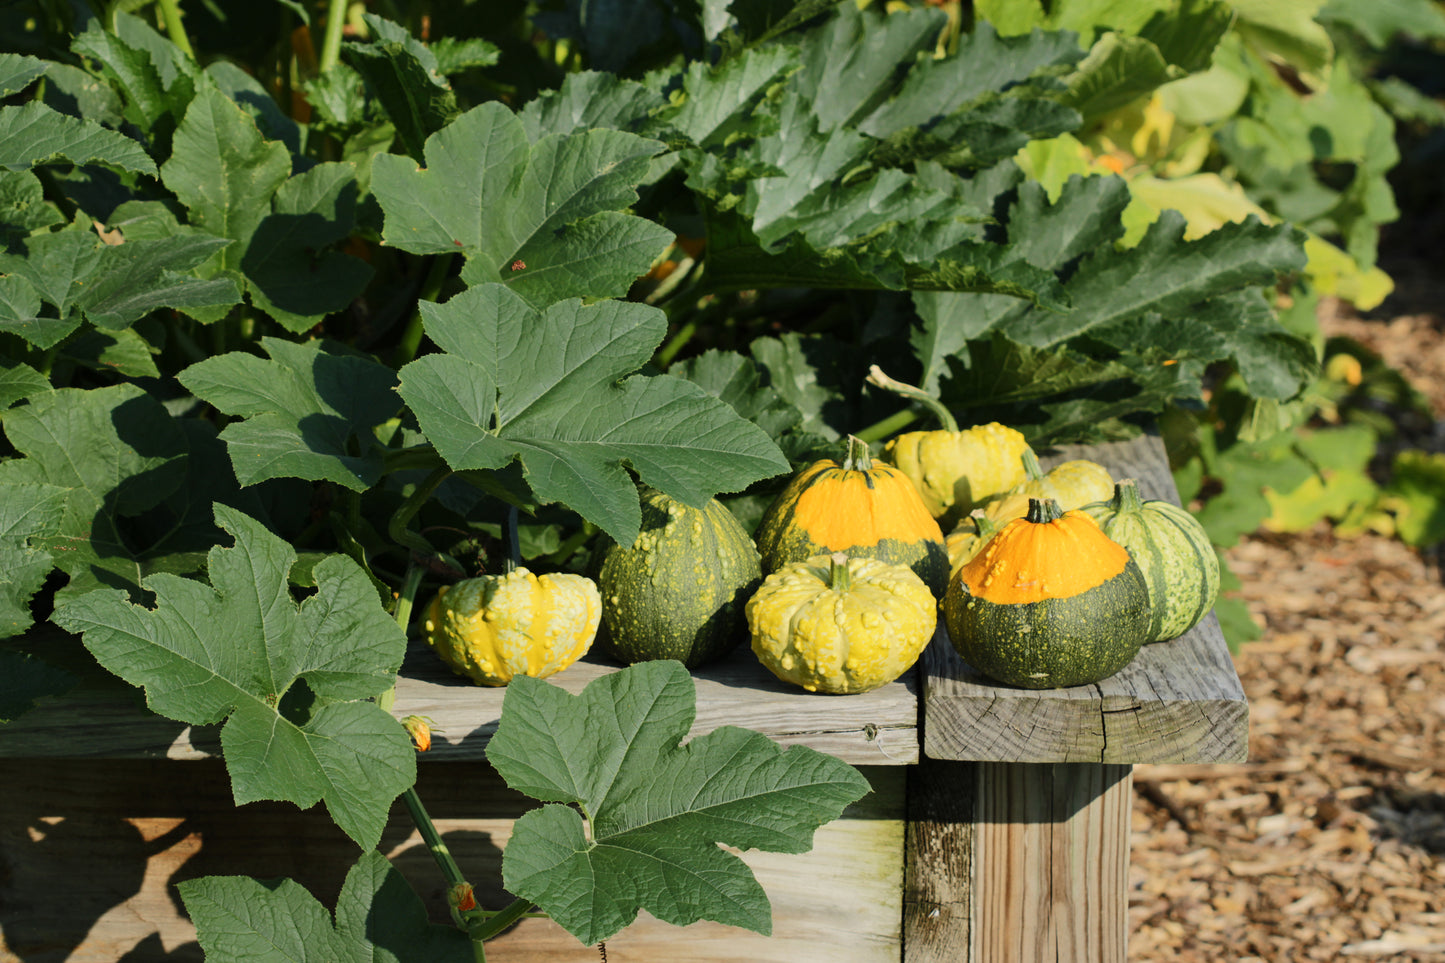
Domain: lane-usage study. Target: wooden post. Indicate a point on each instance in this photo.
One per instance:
(1051, 863)
(938, 861)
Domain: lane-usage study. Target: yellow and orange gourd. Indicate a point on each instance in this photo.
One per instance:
(841, 625)
(861, 507)
(495, 627)
(1050, 601)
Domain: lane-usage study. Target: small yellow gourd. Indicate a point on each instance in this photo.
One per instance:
(1073, 484)
(970, 535)
(955, 471)
(841, 625)
(494, 627)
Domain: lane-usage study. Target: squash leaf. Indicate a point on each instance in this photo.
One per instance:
(26, 512)
(546, 218)
(557, 390)
(311, 411)
(379, 919)
(292, 682)
(654, 810)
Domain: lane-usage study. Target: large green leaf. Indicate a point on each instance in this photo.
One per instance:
(156, 81)
(17, 71)
(1165, 273)
(224, 171)
(113, 285)
(18, 381)
(35, 134)
(293, 683)
(403, 74)
(546, 218)
(653, 812)
(379, 919)
(310, 411)
(557, 389)
(22, 206)
(291, 275)
(27, 511)
(139, 502)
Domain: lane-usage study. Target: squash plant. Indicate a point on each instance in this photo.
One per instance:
(295, 309)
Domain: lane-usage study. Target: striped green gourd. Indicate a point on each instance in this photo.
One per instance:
(1173, 551)
(679, 591)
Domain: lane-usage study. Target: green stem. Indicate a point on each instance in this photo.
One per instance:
(434, 842)
(436, 276)
(839, 578)
(889, 426)
(514, 542)
(331, 43)
(945, 417)
(406, 598)
(675, 344)
(499, 921)
(171, 13)
(397, 527)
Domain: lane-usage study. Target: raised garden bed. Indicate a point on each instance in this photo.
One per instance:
(997, 829)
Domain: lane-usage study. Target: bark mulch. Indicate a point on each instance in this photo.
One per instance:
(1330, 842)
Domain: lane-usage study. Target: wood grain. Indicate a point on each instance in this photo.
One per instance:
(104, 718)
(1051, 863)
(1178, 702)
(91, 850)
(938, 860)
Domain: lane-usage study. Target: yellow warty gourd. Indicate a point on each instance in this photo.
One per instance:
(841, 625)
(492, 628)
(955, 471)
(1072, 484)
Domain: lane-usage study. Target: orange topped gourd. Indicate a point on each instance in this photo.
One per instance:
(1050, 601)
(858, 506)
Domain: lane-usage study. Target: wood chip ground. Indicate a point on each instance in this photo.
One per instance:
(1329, 844)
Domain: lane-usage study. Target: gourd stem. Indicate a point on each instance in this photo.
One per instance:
(945, 417)
(857, 457)
(1032, 468)
(1043, 510)
(839, 578)
(1126, 497)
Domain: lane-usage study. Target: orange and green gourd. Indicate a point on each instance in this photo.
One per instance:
(1073, 484)
(955, 471)
(841, 625)
(860, 507)
(1050, 602)
(495, 627)
(678, 591)
(1173, 551)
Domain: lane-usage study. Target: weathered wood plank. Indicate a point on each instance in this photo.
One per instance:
(104, 718)
(1051, 863)
(938, 861)
(1178, 702)
(91, 850)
